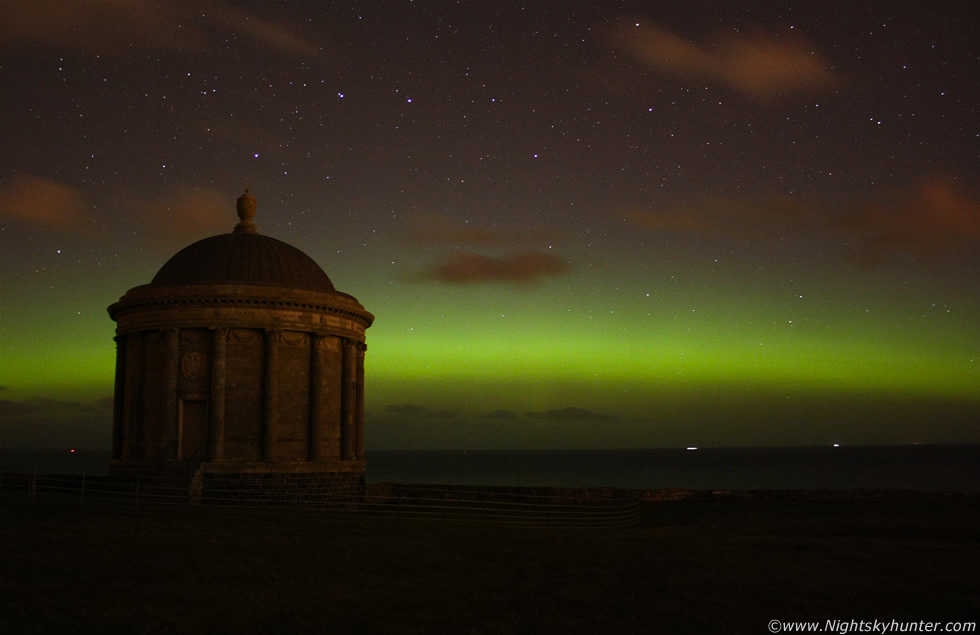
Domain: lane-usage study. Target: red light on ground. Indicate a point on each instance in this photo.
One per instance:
(72, 451)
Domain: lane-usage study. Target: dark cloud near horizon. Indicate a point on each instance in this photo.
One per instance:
(42, 422)
(499, 414)
(406, 409)
(519, 267)
(570, 414)
(41, 406)
(9, 408)
(415, 411)
(514, 261)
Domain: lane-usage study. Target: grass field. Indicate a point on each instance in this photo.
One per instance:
(711, 565)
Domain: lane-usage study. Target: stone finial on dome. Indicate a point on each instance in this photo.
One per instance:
(246, 212)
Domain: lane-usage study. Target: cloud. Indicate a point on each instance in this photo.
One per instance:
(757, 65)
(513, 262)
(928, 220)
(11, 408)
(743, 218)
(415, 411)
(43, 407)
(41, 422)
(122, 27)
(411, 411)
(185, 212)
(499, 415)
(188, 212)
(43, 202)
(520, 267)
(570, 414)
(90, 25)
(269, 35)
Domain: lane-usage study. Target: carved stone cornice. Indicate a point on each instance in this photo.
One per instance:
(148, 298)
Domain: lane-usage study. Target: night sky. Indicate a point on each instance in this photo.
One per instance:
(579, 224)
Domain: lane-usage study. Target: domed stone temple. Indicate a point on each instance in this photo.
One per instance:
(240, 364)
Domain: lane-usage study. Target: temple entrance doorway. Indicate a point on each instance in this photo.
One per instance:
(193, 429)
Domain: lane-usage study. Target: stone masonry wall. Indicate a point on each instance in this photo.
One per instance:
(276, 488)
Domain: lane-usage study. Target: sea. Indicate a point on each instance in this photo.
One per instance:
(932, 468)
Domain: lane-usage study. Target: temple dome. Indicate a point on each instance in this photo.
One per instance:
(243, 258)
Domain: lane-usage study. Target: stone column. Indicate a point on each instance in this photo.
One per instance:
(348, 375)
(132, 422)
(171, 365)
(119, 398)
(359, 403)
(216, 427)
(270, 411)
(315, 434)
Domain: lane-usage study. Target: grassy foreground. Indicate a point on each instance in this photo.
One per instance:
(692, 566)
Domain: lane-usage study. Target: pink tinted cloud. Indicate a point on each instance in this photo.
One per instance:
(185, 212)
(928, 220)
(43, 202)
(742, 218)
(267, 34)
(122, 26)
(757, 65)
(189, 212)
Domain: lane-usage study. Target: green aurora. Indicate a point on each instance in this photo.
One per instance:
(568, 240)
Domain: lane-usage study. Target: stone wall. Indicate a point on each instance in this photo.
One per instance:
(243, 395)
(270, 489)
(291, 441)
(150, 431)
(281, 395)
(278, 488)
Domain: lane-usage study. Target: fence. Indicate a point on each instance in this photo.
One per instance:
(527, 507)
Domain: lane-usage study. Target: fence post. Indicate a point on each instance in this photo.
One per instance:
(33, 483)
(82, 501)
(137, 490)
